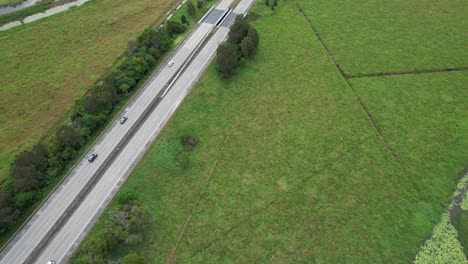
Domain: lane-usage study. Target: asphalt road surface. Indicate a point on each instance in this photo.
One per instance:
(48, 235)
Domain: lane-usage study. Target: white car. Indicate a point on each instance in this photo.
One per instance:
(50, 262)
(170, 63)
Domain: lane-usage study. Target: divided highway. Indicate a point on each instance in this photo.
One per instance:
(63, 220)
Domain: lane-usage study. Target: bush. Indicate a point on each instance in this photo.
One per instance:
(199, 4)
(191, 9)
(239, 30)
(133, 258)
(184, 20)
(174, 27)
(189, 142)
(126, 195)
(24, 199)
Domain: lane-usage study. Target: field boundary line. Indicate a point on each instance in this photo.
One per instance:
(398, 73)
(172, 257)
(370, 117)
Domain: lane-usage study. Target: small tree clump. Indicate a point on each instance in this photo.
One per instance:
(183, 19)
(226, 60)
(191, 9)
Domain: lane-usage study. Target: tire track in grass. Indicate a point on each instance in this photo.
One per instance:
(371, 119)
(173, 257)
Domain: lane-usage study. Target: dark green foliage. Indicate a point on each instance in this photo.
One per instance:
(275, 2)
(267, 2)
(200, 4)
(29, 168)
(247, 47)
(133, 258)
(191, 9)
(253, 35)
(243, 41)
(239, 30)
(125, 226)
(175, 28)
(126, 195)
(68, 137)
(24, 199)
(226, 60)
(184, 20)
(8, 214)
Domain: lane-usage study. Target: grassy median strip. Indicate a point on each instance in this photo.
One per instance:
(288, 167)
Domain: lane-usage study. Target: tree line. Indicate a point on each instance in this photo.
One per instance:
(32, 171)
(242, 43)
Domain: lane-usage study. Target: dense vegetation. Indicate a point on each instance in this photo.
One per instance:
(34, 170)
(124, 227)
(444, 244)
(295, 163)
(242, 43)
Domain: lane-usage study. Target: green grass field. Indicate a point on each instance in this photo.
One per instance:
(290, 169)
(46, 65)
(372, 36)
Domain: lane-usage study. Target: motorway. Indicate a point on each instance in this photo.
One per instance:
(63, 220)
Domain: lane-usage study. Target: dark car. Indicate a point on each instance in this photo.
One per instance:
(92, 157)
(123, 119)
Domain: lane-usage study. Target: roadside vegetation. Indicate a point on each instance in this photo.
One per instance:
(292, 162)
(35, 171)
(241, 44)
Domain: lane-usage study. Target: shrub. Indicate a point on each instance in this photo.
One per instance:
(191, 9)
(24, 199)
(189, 142)
(226, 60)
(133, 258)
(126, 195)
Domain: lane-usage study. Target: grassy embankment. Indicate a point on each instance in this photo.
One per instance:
(289, 166)
(48, 64)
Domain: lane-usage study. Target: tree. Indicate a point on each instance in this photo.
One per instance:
(174, 27)
(183, 19)
(239, 30)
(267, 2)
(199, 4)
(29, 168)
(275, 2)
(247, 47)
(226, 60)
(133, 258)
(8, 214)
(69, 136)
(253, 35)
(126, 195)
(191, 9)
